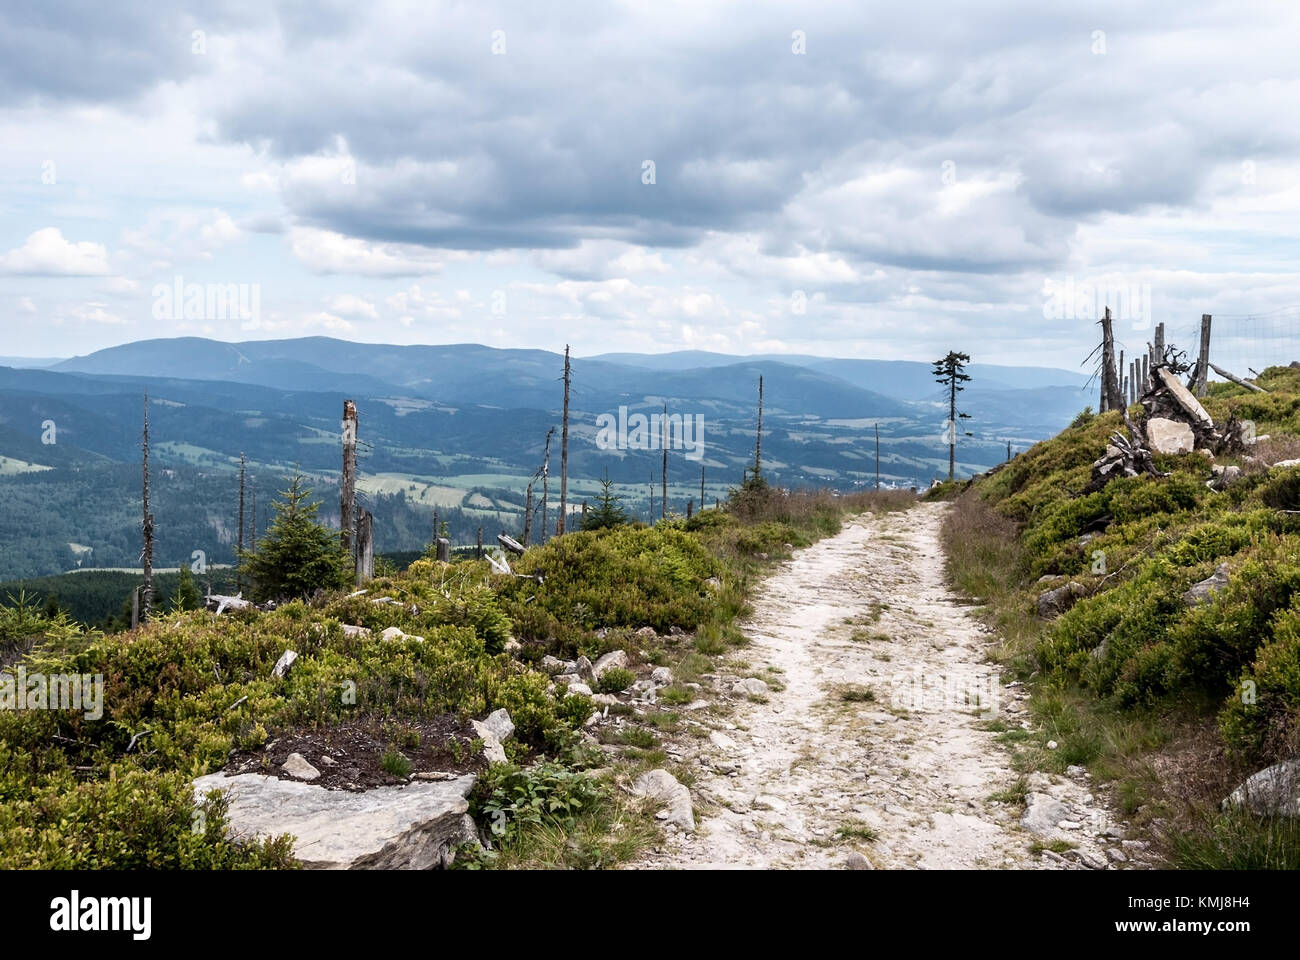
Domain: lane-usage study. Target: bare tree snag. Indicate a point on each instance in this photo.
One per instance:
(239, 525)
(663, 474)
(365, 547)
(348, 486)
(564, 452)
(528, 510)
(146, 555)
(1111, 398)
(546, 481)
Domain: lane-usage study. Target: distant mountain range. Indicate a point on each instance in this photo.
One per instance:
(460, 427)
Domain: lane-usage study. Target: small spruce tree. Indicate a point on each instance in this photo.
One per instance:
(608, 511)
(187, 592)
(297, 556)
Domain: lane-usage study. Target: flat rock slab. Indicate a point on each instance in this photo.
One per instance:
(410, 827)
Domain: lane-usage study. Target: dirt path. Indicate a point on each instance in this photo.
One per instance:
(866, 741)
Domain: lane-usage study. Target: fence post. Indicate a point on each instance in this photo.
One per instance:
(1203, 363)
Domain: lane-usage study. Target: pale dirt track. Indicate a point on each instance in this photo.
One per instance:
(793, 782)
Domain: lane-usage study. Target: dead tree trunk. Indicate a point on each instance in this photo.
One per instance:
(239, 536)
(701, 486)
(1111, 398)
(348, 486)
(546, 481)
(365, 547)
(663, 473)
(877, 456)
(564, 452)
(478, 552)
(528, 510)
(146, 555)
(758, 440)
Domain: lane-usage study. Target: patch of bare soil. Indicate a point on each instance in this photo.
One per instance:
(349, 755)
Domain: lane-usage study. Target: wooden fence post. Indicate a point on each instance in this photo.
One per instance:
(1203, 362)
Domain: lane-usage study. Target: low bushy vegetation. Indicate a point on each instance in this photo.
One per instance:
(187, 690)
(1131, 652)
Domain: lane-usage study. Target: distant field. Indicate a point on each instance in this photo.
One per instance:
(425, 490)
(10, 467)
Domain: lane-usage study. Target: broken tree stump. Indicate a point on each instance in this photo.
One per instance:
(510, 543)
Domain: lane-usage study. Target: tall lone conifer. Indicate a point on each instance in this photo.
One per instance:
(951, 372)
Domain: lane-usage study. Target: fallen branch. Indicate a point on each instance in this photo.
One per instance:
(1237, 380)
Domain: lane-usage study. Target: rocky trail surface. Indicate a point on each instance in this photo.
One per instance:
(870, 747)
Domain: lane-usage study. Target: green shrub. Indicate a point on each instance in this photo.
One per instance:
(395, 762)
(615, 680)
(507, 798)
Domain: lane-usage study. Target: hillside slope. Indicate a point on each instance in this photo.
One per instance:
(1177, 697)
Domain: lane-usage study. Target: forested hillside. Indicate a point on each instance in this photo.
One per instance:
(460, 429)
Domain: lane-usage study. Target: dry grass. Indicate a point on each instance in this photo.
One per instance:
(1276, 447)
(812, 507)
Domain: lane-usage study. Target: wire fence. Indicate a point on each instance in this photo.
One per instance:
(1241, 343)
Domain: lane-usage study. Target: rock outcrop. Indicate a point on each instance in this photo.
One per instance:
(416, 826)
(1274, 791)
(1203, 592)
(1053, 603)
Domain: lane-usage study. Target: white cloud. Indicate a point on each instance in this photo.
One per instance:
(87, 314)
(324, 251)
(120, 285)
(350, 305)
(46, 253)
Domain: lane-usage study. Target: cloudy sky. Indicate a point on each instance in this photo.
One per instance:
(847, 179)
